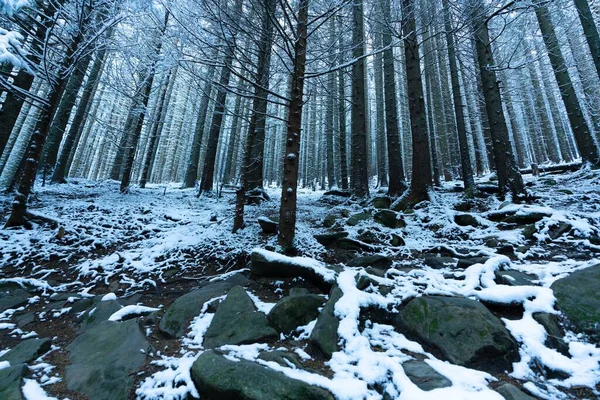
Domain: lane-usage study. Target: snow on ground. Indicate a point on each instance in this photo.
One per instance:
(140, 237)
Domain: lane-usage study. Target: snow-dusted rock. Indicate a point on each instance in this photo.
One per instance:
(27, 351)
(325, 333)
(382, 202)
(509, 392)
(466, 220)
(238, 322)
(329, 239)
(294, 311)
(463, 331)
(376, 261)
(425, 377)
(578, 298)
(13, 298)
(268, 226)
(105, 358)
(387, 218)
(355, 219)
(217, 377)
(10, 382)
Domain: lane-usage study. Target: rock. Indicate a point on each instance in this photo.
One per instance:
(217, 377)
(10, 299)
(425, 377)
(439, 262)
(274, 265)
(27, 351)
(382, 202)
(368, 236)
(353, 245)
(466, 220)
(509, 392)
(268, 226)
(324, 335)
(283, 358)
(377, 261)
(100, 312)
(329, 239)
(11, 382)
(176, 319)
(330, 220)
(298, 291)
(578, 298)
(341, 193)
(237, 322)
(355, 219)
(467, 262)
(526, 218)
(463, 331)
(294, 311)
(397, 240)
(105, 358)
(559, 230)
(529, 231)
(514, 278)
(387, 218)
(554, 340)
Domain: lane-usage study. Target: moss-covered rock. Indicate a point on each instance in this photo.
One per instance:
(294, 311)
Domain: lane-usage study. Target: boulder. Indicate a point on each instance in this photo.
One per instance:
(382, 202)
(330, 220)
(294, 311)
(529, 231)
(11, 380)
(27, 351)
(355, 219)
(467, 262)
(376, 261)
(329, 239)
(425, 377)
(578, 298)
(283, 358)
(353, 245)
(386, 218)
(99, 312)
(105, 358)
(555, 336)
(461, 330)
(559, 230)
(238, 322)
(324, 335)
(274, 265)
(217, 377)
(509, 392)
(10, 299)
(514, 278)
(466, 220)
(268, 226)
(436, 262)
(337, 192)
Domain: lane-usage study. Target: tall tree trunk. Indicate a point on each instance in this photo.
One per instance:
(509, 177)
(397, 184)
(465, 157)
(359, 182)
(342, 121)
(76, 129)
(287, 210)
(590, 30)
(329, 112)
(583, 137)
(379, 113)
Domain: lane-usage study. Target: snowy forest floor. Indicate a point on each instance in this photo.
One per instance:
(154, 245)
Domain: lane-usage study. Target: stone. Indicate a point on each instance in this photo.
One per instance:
(466, 220)
(324, 335)
(529, 231)
(382, 202)
(329, 239)
(425, 377)
(555, 336)
(526, 218)
(11, 381)
(397, 240)
(217, 377)
(467, 262)
(386, 218)
(355, 219)
(10, 299)
(352, 245)
(105, 358)
(330, 220)
(100, 312)
(509, 392)
(377, 261)
(294, 311)
(238, 322)
(337, 192)
(439, 262)
(27, 351)
(268, 226)
(559, 230)
(177, 317)
(461, 330)
(578, 298)
(283, 358)
(274, 265)
(514, 278)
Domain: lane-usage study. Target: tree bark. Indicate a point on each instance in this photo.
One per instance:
(590, 30)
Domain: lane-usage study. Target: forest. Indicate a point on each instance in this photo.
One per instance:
(299, 199)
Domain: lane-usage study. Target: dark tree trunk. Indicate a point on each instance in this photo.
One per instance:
(397, 185)
(583, 137)
(287, 210)
(465, 157)
(590, 30)
(379, 113)
(509, 177)
(329, 112)
(359, 182)
(342, 124)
